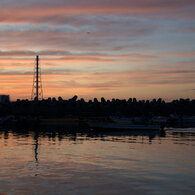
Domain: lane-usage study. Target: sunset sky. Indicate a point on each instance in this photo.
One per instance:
(99, 48)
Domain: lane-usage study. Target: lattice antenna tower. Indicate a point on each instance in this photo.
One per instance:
(37, 91)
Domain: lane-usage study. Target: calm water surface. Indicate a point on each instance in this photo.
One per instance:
(104, 163)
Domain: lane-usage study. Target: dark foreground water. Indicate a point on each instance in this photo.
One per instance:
(104, 163)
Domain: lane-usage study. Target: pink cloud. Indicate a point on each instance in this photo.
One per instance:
(54, 11)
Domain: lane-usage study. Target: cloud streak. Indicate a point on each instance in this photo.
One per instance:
(56, 11)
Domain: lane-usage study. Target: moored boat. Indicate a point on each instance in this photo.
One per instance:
(114, 126)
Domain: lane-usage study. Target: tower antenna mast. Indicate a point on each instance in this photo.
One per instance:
(37, 91)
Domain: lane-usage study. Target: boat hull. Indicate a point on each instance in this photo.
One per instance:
(113, 126)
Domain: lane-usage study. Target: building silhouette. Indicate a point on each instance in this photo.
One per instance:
(4, 99)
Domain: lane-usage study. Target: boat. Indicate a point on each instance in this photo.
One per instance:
(61, 121)
(129, 120)
(121, 120)
(93, 125)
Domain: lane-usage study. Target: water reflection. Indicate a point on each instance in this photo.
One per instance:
(80, 136)
(75, 136)
(36, 138)
(86, 162)
(139, 137)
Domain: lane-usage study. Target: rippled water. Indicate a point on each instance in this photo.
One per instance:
(91, 163)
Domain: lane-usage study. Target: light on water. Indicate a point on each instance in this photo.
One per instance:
(102, 163)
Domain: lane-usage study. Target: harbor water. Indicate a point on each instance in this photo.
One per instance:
(60, 162)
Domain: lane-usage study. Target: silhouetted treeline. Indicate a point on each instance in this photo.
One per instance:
(131, 107)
